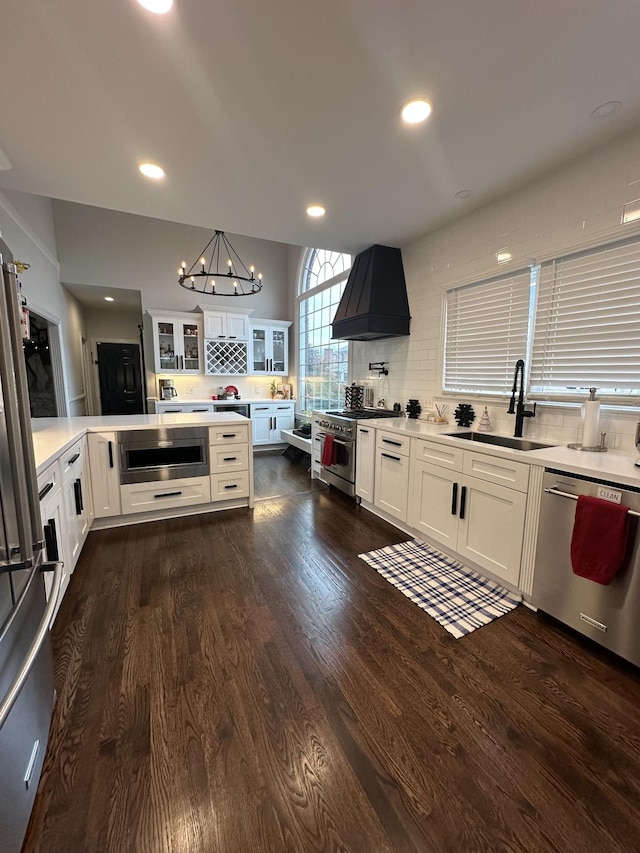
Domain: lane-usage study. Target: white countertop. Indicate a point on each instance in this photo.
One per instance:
(51, 436)
(604, 466)
(198, 401)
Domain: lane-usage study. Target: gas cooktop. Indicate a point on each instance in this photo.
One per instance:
(364, 414)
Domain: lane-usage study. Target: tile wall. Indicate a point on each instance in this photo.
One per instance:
(581, 204)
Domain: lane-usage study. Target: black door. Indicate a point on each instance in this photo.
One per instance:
(120, 379)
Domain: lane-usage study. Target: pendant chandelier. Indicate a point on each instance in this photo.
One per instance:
(231, 279)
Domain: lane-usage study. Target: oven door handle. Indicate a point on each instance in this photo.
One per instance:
(572, 497)
(338, 441)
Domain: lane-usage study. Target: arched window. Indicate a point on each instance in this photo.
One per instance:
(323, 362)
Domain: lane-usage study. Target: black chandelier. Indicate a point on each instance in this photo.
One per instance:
(233, 279)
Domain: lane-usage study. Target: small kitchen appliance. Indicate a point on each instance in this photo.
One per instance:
(167, 389)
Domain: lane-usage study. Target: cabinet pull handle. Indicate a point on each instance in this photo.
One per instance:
(228, 435)
(232, 486)
(51, 540)
(78, 496)
(45, 491)
(394, 443)
(168, 495)
(74, 459)
(229, 458)
(261, 408)
(199, 410)
(232, 337)
(285, 408)
(389, 456)
(454, 499)
(463, 501)
(110, 443)
(364, 431)
(176, 362)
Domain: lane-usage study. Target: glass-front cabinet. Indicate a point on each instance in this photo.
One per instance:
(269, 348)
(177, 343)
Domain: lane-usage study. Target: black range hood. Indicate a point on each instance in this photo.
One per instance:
(374, 303)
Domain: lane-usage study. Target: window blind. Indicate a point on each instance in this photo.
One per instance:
(486, 333)
(587, 328)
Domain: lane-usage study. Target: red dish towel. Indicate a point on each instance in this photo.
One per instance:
(328, 451)
(599, 539)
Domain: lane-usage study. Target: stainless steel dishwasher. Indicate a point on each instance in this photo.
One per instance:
(610, 615)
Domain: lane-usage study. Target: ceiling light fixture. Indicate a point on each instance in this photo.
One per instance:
(151, 170)
(503, 256)
(108, 299)
(463, 194)
(607, 109)
(316, 210)
(158, 7)
(216, 281)
(416, 111)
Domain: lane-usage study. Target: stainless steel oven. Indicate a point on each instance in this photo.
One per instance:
(237, 408)
(166, 453)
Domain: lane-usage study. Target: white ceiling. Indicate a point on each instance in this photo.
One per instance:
(256, 109)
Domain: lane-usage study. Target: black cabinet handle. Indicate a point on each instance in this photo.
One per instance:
(394, 443)
(228, 435)
(168, 495)
(74, 459)
(463, 501)
(389, 456)
(51, 540)
(454, 499)
(229, 458)
(232, 486)
(365, 431)
(45, 491)
(77, 489)
(110, 443)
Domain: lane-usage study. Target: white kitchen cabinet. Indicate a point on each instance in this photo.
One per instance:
(53, 514)
(177, 342)
(105, 478)
(316, 447)
(168, 494)
(269, 348)
(391, 484)
(225, 358)
(179, 408)
(269, 419)
(481, 516)
(230, 460)
(365, 463)
(225, 325)
(77, 500)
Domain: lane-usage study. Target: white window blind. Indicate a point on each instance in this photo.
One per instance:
(587, 329)
(486, 333)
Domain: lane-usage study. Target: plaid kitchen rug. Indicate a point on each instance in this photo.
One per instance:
(458, 598)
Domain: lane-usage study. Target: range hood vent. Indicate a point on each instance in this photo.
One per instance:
(374, 303)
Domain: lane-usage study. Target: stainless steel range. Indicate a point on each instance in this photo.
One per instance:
(336, 434)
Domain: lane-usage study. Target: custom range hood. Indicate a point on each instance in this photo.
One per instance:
(374, 303)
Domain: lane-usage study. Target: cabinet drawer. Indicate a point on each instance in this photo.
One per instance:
(229, 434)
(146, 497)
(399, 444)
(72, 460)
(234, 457)
(227, 486)
(496, 469)
(437, 454)
(50, 480)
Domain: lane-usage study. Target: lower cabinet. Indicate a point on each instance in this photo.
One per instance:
(392, 474)
(469, 509)
(230, 461)
(105, 479)
(365, 463)
(52, 513)
(269, 419)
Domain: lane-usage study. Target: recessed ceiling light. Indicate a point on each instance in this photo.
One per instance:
(631, 211)
(503, 256)
(416, 111)
(607, 109)
(462, 194)
(151, 170)
(158, 7)
(108, 299)
(316, 210)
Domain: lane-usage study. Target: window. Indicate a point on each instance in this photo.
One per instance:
(486, 333)
(587, 330)
(323, 362)
(575, 320)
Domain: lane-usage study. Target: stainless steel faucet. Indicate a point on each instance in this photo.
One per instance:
(519, 409)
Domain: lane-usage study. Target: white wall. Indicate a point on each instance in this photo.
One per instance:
(578, 205)
(121, 250)
(26, 223)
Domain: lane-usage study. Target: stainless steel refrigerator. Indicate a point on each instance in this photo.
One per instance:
(26, 665)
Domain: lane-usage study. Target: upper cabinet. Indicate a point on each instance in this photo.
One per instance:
(177, 346)
(269, 347)
(223, 325)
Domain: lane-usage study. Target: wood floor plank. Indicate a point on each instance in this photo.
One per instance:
(241, 681)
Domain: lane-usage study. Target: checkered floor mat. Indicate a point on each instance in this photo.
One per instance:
(455, 596)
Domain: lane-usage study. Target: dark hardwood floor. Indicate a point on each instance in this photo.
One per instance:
(241, 681)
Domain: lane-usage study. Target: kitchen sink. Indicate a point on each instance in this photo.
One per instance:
(500, 440)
